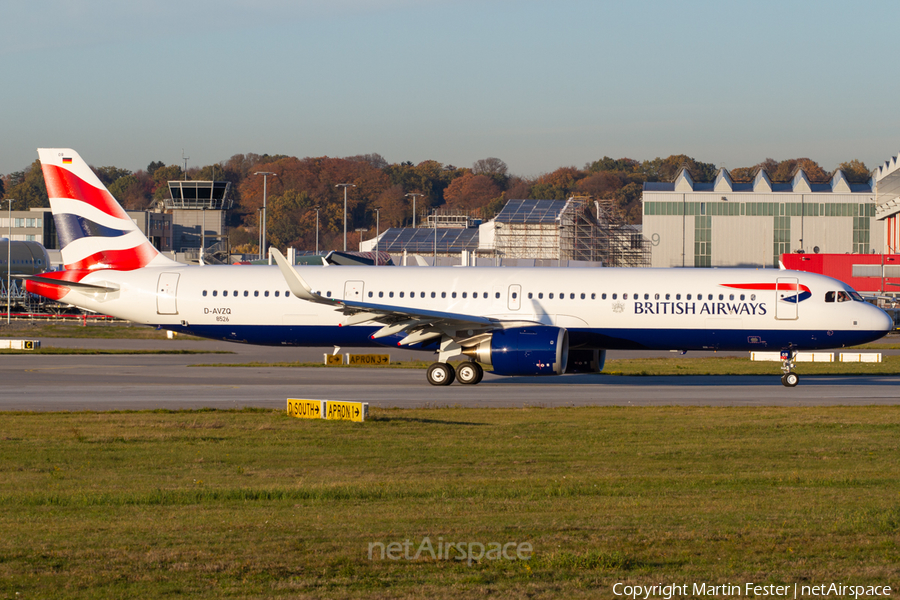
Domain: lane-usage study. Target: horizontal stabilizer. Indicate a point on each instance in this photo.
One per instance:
(69, 284)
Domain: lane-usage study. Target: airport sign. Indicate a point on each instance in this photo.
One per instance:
(306, 409)
(346, 411)
(368, 359)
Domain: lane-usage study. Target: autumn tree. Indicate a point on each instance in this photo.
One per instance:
(557, 185)
(471, 191)
(666, 169)
(786, 169)
(601, 184)
(284, 220)
(28, 188)
(132, 191)
(161, 178)
(494, 168)
(855, 171)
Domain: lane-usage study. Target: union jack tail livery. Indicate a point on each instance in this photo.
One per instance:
(94, 231)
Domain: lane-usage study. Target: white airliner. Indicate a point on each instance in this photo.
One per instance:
(515, 321)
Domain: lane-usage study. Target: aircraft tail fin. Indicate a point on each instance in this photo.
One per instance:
(94, 231)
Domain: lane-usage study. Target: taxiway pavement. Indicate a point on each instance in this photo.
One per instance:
(151, 381)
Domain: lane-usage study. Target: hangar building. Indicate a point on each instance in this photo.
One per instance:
(729, 224)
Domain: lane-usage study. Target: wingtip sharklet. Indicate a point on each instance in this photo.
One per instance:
(295, 283)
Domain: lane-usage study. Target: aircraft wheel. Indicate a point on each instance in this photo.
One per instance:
(441, 374)
(469, 373)
(790, 379)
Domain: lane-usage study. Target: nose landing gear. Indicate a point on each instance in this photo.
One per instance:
(789, 379)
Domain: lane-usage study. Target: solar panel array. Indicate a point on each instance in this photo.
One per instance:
(421, 240)
(530, 211)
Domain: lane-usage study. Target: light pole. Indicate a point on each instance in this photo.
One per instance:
(8, 253)
(434, 216)
(317, 228)
(360, 231)
(202, 233)
(345, 186)
(414, 196)
(377, 232)
(262, 227)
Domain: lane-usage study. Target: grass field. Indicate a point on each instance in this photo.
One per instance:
(254, 503)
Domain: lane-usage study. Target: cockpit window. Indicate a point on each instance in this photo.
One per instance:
(829, 296)
(856, 296)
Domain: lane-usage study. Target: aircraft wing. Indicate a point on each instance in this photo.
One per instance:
(419, 324)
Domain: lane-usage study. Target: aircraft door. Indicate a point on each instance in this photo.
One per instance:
(166, 294)
(353, 290)
(787, 297)
(515, 297)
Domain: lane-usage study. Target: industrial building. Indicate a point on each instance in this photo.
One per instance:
(729, 224)
(579, 231)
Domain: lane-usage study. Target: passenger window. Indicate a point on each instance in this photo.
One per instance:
(422, 294)
(711, 297)
(287, 293)
(572, 296)
(277, 293)
(752, 297)
(235, 293)
(582, 296)
(624, 296)
(731, 296)
(401, 294)
(721, 297)
(514, 295)
(246, 293)
(540, 295)
(614, 296)
(443, 294)
(603, 296)
(266, 293)
(391, 294)
(742, 297)
(370, 294)
(530, 296)
(550, 296)
(256, 293)
(433, 295)
(829, 296)
(464, 294)
(647, 296)
(453, 295)
(667, 296)
(204, 295)
(224, 292)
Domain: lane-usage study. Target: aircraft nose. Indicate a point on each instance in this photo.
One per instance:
(881, 320)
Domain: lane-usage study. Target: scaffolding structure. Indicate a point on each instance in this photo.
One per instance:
(577, 229)
(594, 230)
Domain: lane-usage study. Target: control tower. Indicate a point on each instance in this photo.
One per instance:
(198, 217)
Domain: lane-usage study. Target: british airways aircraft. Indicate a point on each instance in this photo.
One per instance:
(515, 321)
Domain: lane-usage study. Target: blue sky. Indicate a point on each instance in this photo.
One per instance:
(538, 84)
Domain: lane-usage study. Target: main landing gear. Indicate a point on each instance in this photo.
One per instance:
(789, 379)
(468, 373)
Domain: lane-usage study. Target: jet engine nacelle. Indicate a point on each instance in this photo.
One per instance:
(539, 350)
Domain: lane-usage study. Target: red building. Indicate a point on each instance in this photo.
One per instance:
(873, 273)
